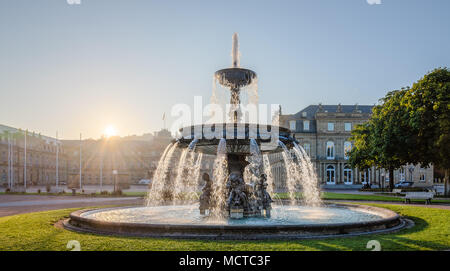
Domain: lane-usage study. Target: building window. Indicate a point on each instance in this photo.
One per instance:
(330, 175)
(347, 149)
(292, 125)
(365, 176)
(348, 126)
(348, 175)
(306, 125)
(307, 148)
(402, 174)
(330, 126)
(422, 177)
(304, 114)
(330, 150)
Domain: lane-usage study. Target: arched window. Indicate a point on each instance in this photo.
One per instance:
(422, 177)
(330, 175)
(330, 150)
(347, 149)
(348, 175)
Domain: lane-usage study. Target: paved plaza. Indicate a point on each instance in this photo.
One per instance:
(19, 204)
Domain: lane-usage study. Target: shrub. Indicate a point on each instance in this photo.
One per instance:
(118, 192)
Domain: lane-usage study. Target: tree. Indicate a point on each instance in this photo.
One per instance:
(410, 126)
(428, 103)
(382, 141)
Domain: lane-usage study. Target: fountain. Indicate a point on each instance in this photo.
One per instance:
(237, 201)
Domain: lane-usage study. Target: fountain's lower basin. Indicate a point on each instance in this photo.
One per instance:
(184, 221)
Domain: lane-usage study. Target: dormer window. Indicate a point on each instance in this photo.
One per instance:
(304, 114)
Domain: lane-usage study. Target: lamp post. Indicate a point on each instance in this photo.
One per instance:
(101, 172)
(114, 172)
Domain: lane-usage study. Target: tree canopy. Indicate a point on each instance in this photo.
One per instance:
(409, 126)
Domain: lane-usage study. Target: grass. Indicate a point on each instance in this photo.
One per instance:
(325, 196)
(343, 196)
(36, 231)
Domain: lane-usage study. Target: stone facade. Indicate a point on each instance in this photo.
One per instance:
(324, 132)
(40, 161)
(133, 158)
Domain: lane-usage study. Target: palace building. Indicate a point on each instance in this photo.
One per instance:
(39, 153)
(324, 132)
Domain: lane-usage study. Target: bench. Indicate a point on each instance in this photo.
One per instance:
(427, 196)
(88, 191)
(55, 190)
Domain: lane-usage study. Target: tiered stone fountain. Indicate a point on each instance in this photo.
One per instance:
(236, 202)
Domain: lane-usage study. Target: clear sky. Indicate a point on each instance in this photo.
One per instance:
(80, 68)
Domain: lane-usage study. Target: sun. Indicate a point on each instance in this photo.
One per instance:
(110, 131)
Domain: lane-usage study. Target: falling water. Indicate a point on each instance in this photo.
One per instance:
(253, 92)
(194, 175)
(310, 184)
(180, 180)
(220, 175)
(189, 185)
(235, 51)
(252, 171)
(214, 98)
(292, 173)
(156, 194)
(268, 172)
(185, 165)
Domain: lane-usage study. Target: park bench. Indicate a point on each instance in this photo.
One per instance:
(88, 191)
(55, 190)
(427, 196)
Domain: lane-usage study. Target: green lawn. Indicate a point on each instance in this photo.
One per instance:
(325, 196)
(343, 196)
(36, 231)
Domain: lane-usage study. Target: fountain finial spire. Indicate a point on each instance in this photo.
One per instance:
(235, 51)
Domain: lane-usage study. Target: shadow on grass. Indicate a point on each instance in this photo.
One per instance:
(402, 240)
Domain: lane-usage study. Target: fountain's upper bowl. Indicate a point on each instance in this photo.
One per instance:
(237, 135)
(235, 78)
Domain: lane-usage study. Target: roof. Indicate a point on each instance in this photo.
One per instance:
(312, 109)
(4, 128)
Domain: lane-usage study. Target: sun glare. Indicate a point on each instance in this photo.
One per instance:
(110, 131)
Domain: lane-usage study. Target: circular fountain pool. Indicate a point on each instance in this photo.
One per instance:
(184, 221)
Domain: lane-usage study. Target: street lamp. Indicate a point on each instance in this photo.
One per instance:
(114, 172)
